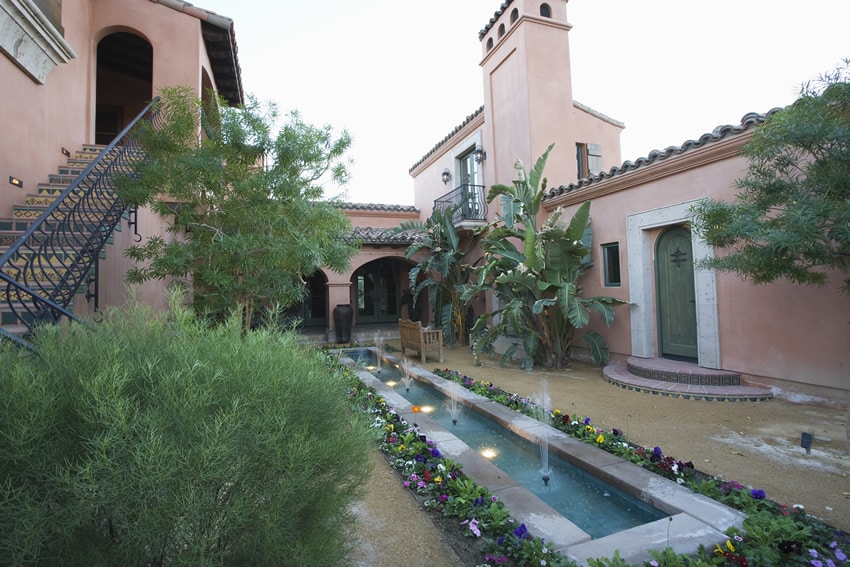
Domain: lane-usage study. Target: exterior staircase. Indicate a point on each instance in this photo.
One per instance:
(679, 379)
(51, 247)
(27, 213)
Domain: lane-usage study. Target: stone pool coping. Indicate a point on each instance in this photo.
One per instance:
(693, 519)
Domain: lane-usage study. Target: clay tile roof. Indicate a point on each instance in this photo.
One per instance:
(448, 136)
(495, 17)
(376, 207)
(383, 236)
(748, 122)
(220, 39)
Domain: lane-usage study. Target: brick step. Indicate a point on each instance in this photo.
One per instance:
(681, 372)
(689, 388)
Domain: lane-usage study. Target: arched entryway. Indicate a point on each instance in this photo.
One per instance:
(676, 307)
(124, 82)
(312, 311)
(378, 291)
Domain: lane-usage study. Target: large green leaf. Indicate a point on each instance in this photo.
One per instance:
(542, 304)
(598, 346)
(578, 315)
(535, 176)
(515, 279)
(604, 305)
(512, 209)
(579, 222)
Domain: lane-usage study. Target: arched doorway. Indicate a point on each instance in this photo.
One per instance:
(312, 312)
(676, 307)
(124, 83)
(377, 288)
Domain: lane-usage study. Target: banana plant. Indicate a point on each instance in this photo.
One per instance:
(533, 275)
(444, 272)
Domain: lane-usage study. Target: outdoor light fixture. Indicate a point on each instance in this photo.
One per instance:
(66, 152)
(15, 181)
(446, 176)
(479, 154)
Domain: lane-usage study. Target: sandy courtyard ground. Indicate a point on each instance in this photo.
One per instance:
(754, 443)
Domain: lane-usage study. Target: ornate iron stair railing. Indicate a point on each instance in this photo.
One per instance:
(469, 202)
(42, 271)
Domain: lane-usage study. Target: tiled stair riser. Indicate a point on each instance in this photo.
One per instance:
(622, 375)
(701, 378)
(24, 215)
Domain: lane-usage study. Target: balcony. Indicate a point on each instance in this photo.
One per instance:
(471, 208)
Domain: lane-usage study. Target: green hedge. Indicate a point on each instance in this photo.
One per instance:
(157, 440)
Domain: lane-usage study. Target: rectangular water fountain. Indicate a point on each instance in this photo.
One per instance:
(621, 507)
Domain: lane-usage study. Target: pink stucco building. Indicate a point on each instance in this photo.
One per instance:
(782, 336)
(75, 72)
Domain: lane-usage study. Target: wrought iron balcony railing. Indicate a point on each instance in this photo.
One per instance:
(56, 256)
(469, 202)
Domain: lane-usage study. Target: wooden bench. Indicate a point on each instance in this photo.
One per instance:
(414, 337)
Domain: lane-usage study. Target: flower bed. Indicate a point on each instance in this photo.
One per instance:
(773, 534)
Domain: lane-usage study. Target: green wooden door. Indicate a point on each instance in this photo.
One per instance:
(676, 309)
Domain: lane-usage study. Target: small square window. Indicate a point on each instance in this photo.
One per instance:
(611, 262)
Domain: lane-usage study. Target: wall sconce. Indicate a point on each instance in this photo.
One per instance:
(479, 154)
(446, 176)
(66, 152)
(15, 181)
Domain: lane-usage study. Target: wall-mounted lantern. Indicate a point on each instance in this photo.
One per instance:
(479, 154)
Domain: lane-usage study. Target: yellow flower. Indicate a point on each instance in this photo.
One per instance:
(730, 546)
(590, 429)
(390, 427)
(600, 439)
(401, 448)
(438, 479)
(557, 412)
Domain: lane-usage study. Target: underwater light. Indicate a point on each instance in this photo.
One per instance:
(489, 453)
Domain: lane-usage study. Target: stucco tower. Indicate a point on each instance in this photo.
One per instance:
(528, 97)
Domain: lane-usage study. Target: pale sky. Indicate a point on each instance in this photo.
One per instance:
(400, 75)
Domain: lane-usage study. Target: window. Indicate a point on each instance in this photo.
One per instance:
(611, 264)
(514, 15)
(545, 11)
(489, 43)
(588, 160)
(501, 30)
